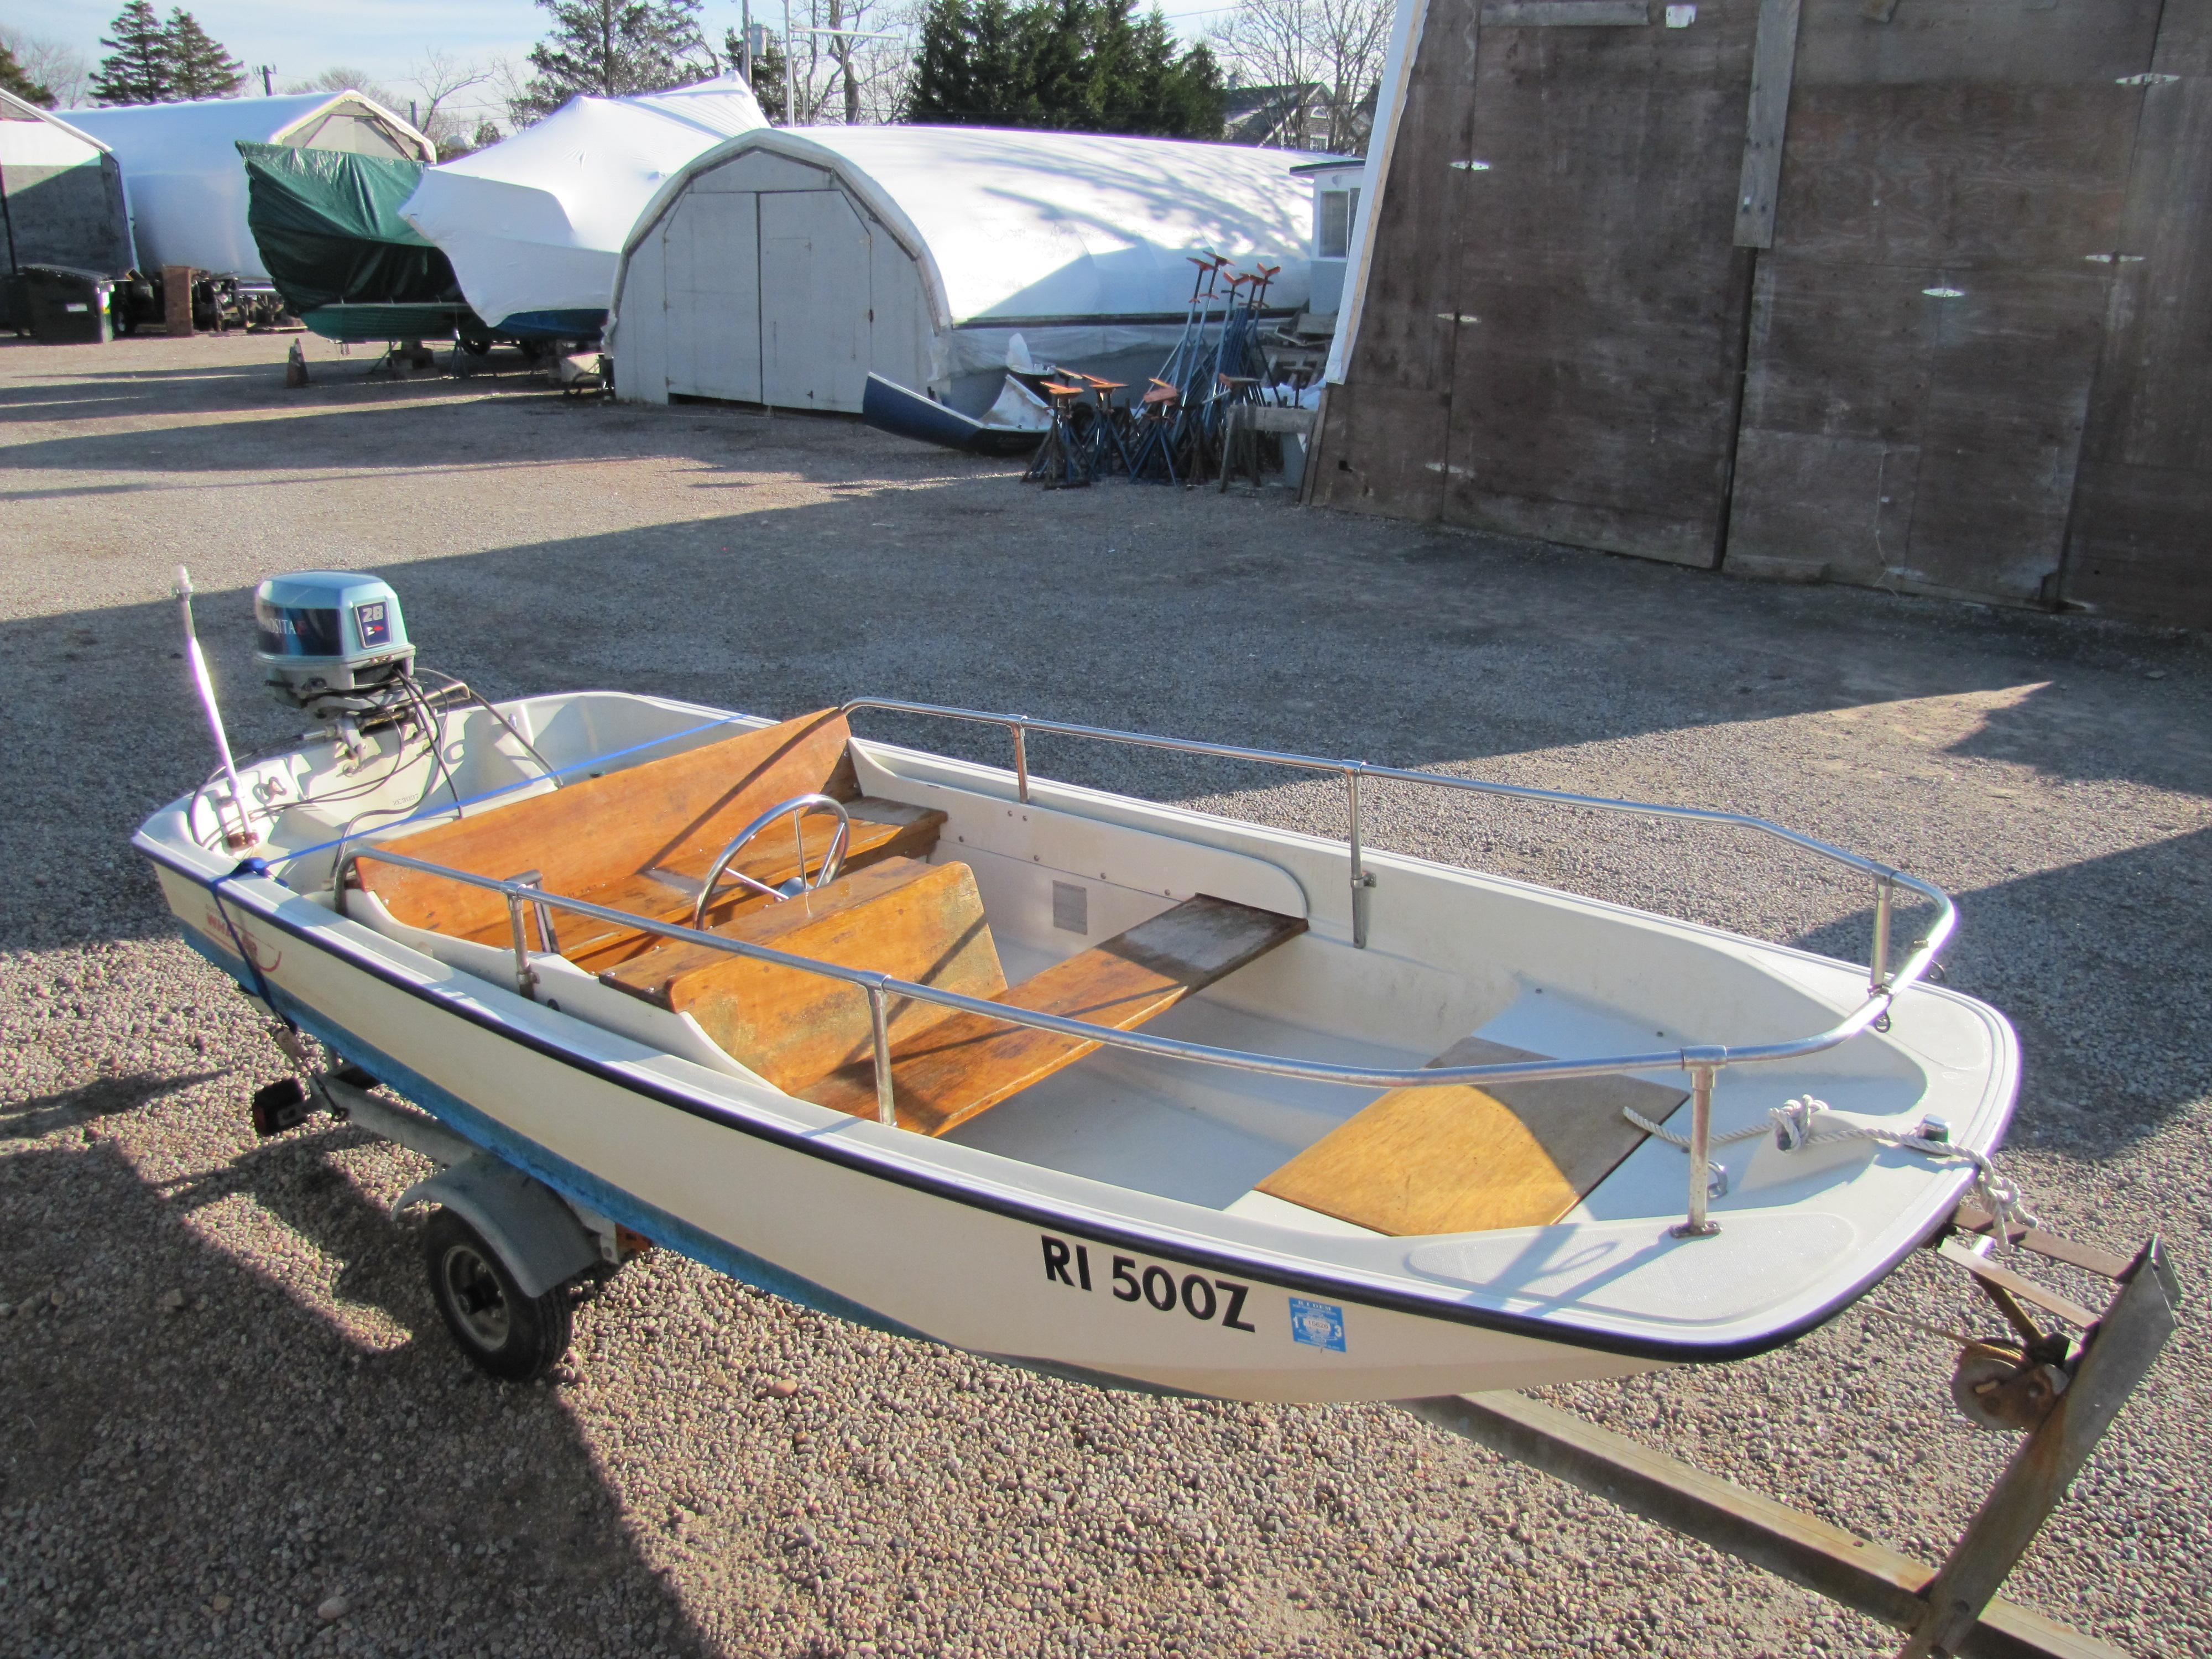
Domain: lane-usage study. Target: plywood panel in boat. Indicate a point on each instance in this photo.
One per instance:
(915, 922)
(595, 831)
(968, 1064)
(1458, 1159)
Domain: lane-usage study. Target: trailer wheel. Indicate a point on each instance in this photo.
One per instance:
(513, 1337)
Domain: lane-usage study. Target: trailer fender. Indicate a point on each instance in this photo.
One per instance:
(536, 1233)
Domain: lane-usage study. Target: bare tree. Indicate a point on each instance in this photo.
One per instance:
(1333, 47)
(836, 76)
(440, 77)
(339, 78)
(510, 86)
(63, 71)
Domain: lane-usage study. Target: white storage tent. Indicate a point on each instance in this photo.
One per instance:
(784, 265)
(183, 180)
(62, 192)
(534, 224)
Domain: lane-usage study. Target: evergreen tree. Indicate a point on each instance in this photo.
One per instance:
(136, 70)
(1072, 65)
(767, 71)
(199, 64)
(15, 78)
(612, 48)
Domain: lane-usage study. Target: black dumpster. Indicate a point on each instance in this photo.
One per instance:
(68, 308)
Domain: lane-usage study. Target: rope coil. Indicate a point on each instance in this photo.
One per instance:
(1808, 1121)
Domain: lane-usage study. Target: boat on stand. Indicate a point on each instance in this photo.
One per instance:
(1120, 1090)
(1090, 1083)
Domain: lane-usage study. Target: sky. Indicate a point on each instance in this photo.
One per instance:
(386, 38)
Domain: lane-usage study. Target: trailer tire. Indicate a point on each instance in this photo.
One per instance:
(508, 1335)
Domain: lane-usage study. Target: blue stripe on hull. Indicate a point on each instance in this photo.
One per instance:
(558, 1172)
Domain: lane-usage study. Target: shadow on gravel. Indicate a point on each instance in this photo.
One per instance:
(227, 388)
(203, 1478)
(26, 1119)
(2102, 967)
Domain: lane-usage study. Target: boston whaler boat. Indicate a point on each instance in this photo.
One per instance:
(1108, 1089)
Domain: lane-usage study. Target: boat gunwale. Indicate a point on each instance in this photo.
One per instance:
(1696, 1058)
(883, 1160)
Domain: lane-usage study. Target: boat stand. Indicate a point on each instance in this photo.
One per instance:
(2063, 1395)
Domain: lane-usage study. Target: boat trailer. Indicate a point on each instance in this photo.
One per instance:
(2062, 1393)
(523, 1242)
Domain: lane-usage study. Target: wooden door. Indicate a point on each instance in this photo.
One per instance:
(1927, 324)
(1598, 323)
(2141, 537)
(814, 260)
(710, 252)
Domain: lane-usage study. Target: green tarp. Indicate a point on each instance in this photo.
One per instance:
(328, 225)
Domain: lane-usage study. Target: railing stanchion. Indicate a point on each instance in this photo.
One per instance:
(1360, 882)
(525, 977)
(1698, 1224)
(1885, 889)
(1021, 730)
(878, 1018)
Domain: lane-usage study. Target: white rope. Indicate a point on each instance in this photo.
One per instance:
(1809, 1122)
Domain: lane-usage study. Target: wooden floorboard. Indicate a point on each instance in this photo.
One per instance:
(1457, 1159)
(968, 1064)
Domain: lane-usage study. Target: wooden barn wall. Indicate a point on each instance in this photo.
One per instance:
(1382, 445)
(2140, 541)
(1972, 362)
(1599, 293)
(1928, 323)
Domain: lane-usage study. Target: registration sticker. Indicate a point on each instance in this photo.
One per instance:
(1317, 1324)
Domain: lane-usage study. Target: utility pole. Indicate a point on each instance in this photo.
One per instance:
(267, 69)
(790, 70)
(746, 14)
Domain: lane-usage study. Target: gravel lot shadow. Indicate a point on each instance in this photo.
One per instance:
(43, 1114)
(2053, 771)
(252, 1459)
(2101, 965)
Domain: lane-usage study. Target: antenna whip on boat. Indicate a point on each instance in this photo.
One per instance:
(195, 662)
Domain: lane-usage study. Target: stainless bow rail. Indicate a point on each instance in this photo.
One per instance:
(526, 899)
(1701, 1062)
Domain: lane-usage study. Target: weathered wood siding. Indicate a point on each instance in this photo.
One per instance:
(2141, 542)
(1599, 304)
(1962, 349)
(1927, 323)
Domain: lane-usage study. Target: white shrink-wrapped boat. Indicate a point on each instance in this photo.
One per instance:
(1102, 1087)
(535, 223)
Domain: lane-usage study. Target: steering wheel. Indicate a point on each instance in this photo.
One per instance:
(797, 806)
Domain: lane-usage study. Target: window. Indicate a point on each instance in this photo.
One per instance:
(1339, 208)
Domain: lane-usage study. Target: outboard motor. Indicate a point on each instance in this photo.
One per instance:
(333, 643)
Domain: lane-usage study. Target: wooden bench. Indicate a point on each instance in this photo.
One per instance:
(1458, 1159)
(967, 1063)
(641, 838)
(881, 830)
(916, 922)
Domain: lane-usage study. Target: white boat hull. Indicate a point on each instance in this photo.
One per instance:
(1067, 1274)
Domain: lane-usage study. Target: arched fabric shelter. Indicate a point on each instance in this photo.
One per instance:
(61, 194)
(783, 266)
(534, 224)
(186, 186)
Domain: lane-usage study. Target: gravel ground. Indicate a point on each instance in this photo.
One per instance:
(231, 1422)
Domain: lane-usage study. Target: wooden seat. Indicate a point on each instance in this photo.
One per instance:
(1458, 1159)
(967, 1063)
(881, 830)
(641, 838)
(916, 922)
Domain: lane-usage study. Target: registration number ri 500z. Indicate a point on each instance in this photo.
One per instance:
(1212, 1300)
